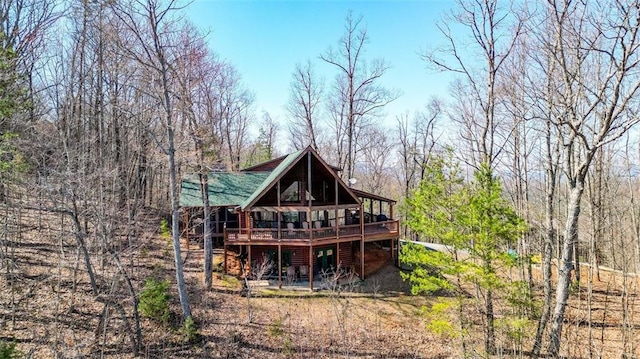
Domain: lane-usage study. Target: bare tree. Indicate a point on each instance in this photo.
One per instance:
(150, 24)
(263, 148)
(358, 89)
(195, 70)
(25, 26)
(417, 142)
(304, 106)
(551, 155)
(231, 111)
(595, 52)
(494, 32)
(375, 165)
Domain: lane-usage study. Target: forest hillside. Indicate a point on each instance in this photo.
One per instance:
(528, 165)
(49, 310)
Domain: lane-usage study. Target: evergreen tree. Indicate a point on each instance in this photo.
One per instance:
(478, 227)
(12, 100)
(12, 95)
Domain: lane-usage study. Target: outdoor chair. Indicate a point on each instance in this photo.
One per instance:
(291, 274)
(304, 272)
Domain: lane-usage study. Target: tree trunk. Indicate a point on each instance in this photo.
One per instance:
(208, 242)
(546, 266)
(565, 266)
(163, 69)
(490, 337)
(79, 234)
(175, 231)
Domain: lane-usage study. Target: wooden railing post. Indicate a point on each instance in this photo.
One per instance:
(224, 240)
(361, 241)
(311, 268)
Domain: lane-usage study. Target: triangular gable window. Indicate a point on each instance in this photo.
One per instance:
(292, 193)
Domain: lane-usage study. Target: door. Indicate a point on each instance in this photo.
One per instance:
(272, 256)
(325, 260)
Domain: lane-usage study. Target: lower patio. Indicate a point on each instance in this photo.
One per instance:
(330, 283)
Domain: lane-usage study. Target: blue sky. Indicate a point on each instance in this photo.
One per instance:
(265, 39)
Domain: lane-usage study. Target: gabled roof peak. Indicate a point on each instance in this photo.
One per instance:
(283, 167)
(271, 164)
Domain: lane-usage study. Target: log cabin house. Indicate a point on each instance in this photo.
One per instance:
(293, 211)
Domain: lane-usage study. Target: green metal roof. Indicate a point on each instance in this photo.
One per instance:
(239, 188)
(225, 188)
(277, 172)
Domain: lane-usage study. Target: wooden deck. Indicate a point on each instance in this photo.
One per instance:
(372, 231)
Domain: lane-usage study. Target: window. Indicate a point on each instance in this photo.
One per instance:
(292, 217)
(292, 193)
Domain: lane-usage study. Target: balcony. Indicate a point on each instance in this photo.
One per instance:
(302, 236)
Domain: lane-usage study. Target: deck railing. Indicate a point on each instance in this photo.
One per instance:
(381, 227)
(243, 235)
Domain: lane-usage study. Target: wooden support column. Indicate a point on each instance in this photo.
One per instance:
(247, 224)
(224, 241)
(337, 225)
(361, 243)
(309, 200)
(278, 212)
(217, 221)
(248, 261)
(337, 254)
(393, 254)
(311, 268)
(391, 210)
(279, 266)
(225, 259)
(186, 225)
(310, 224)
(370, 210)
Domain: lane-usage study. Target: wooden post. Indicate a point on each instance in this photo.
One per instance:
(309, 200)
(337, 225)
(247, 221)
(186, 238)
(393, 255)
(361, 242)
(311, 268)
(310, 224)
(337, 254)
(225, 259)
(217, 221)
(279, 266)
(248, 260)
(186, 224)
(224, 241)
(278, 212)
(391, 210)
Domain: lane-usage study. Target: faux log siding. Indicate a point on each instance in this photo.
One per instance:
(259, 252)
(346, 255)
(299, 255)
(265, 167)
